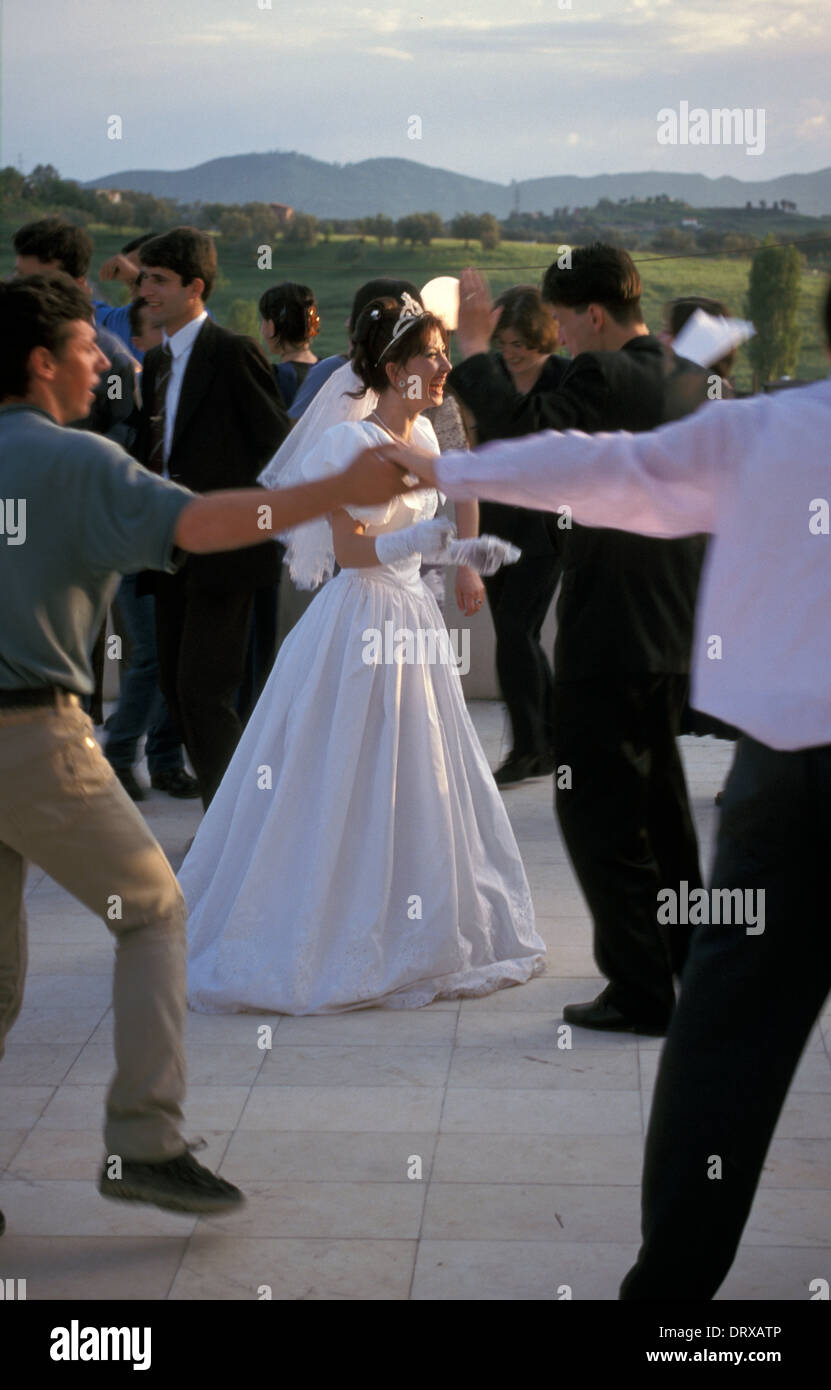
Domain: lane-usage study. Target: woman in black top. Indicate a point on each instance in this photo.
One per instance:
(289, 322)
(520, 595)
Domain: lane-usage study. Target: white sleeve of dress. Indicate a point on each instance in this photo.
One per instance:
(334, 452)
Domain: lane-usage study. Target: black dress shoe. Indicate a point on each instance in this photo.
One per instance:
(176, 783)
(2, 1223)
(129, 783)
(605, 1017)
(521, 767)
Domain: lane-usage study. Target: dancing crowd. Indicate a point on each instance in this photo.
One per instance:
(355, 849)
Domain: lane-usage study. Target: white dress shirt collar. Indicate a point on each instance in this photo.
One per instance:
(184, 338)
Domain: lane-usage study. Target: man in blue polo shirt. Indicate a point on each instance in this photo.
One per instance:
(76, 512)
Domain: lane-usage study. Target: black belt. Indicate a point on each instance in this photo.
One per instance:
(33, 696)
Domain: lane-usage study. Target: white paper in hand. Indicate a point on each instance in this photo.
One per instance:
(705, 339)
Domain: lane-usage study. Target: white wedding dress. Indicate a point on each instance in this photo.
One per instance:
(357, 852)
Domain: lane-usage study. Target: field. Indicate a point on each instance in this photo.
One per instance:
(335, 279)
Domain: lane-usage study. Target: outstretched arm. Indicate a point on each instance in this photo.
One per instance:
(228, 520)
(665, 483)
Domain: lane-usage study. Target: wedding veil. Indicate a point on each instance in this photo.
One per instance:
(310, 553)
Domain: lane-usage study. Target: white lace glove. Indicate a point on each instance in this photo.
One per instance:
(485, 554)
(429, 539)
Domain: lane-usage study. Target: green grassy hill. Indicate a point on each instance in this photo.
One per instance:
(334, 279)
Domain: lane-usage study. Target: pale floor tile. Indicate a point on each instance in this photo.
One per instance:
(10, 1142)
(798, 1163)
(22, 1106)
(541, 1112)
(565, 962)
(37, 1064)
(67, 1208)
(89, 1267)
(777, 1274)
(401, 1026)
(779, 1217)
(507, 1211)
(375, 1108)
(292, 1269)
(262, 1156)
(610, 1159)
(508, 1270)
(550, 1068)
(356, 1065)
(374, 1209)
(58, 1025)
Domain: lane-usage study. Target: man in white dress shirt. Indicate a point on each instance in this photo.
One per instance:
(755, 473)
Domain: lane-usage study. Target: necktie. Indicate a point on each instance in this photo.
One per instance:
(157, 419)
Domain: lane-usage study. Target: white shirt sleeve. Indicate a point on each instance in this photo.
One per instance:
(667, 482)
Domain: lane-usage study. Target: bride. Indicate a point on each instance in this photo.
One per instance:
(358, 852)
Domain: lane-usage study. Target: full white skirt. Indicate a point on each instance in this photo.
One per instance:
(357, 852)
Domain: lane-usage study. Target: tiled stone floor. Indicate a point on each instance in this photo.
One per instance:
(530, 1156)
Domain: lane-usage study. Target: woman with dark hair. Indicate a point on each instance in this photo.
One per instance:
(519, 597)
(357, 852)
(289, 320)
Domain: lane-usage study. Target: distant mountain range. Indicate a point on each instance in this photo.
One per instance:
(399, 186)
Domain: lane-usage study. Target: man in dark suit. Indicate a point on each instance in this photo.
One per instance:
(211, 419)
(624, 632)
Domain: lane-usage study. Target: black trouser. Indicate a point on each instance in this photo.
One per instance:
(202, 644)
(628, 828)
(519, 597)
(747, 1006)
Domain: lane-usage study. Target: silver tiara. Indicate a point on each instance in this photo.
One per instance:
(411, 311)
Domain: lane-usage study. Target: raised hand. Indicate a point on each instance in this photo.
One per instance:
(477, 316)
(373, 477)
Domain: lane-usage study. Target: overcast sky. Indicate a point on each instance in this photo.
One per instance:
(504, 88)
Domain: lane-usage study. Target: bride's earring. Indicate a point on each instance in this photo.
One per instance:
(402, 386)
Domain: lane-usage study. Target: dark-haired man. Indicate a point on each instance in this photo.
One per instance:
(211, 418)
(624, 630)
(77, 512)
(756, 475)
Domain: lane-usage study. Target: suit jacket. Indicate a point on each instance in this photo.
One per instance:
(229, 422)
(627, 602)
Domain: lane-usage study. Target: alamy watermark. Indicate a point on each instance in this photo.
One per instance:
(721, 125)
(717, 906)
(13, 520)
(422, 646)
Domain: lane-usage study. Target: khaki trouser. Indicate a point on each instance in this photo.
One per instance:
(62, 807)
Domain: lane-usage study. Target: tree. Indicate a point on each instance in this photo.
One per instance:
(302, 230)
(489, 232)
(381, 227)
(413, 228)
(464, 227)
(234, 225)
(242, 317)
(772, 304)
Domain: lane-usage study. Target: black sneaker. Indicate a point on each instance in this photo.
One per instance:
(178, 1184)
(129, 783)
(176, 783)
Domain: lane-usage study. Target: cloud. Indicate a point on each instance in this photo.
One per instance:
(397, 53)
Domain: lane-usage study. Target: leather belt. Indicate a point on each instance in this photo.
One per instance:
(34, 696)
